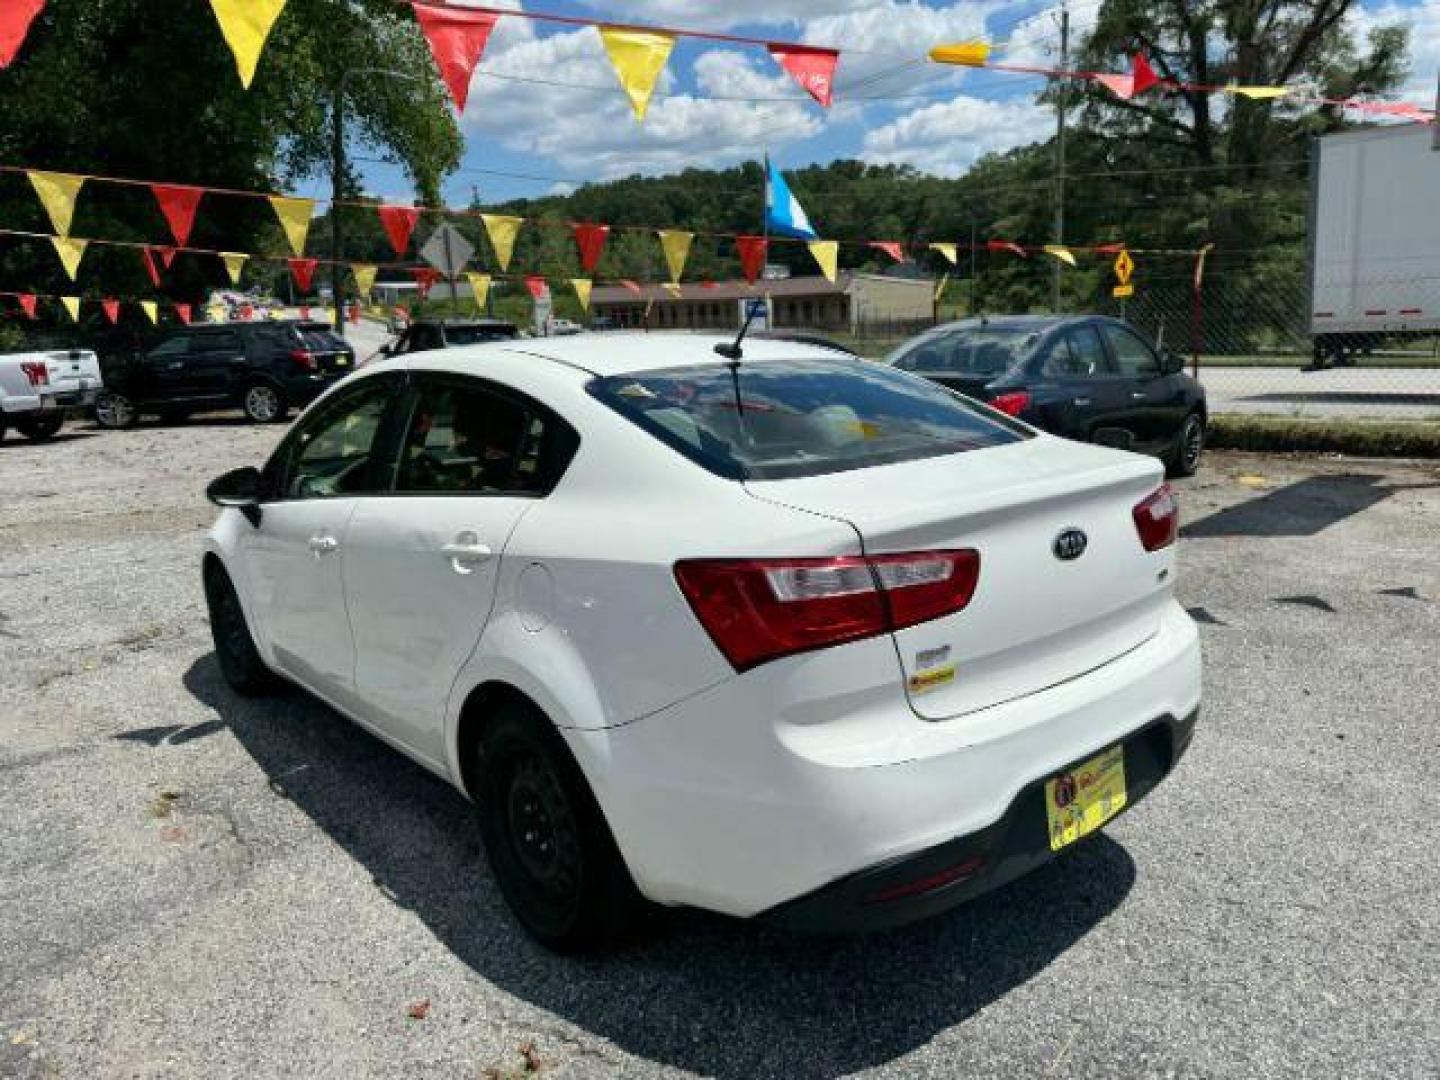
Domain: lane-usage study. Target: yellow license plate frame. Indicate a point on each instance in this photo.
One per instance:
(1080, 800)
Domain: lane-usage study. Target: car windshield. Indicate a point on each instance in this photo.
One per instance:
(477, 335)
(982, 350)
(779, 419)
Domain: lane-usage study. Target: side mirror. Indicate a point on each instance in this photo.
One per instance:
(238, 488)
(1171, 363)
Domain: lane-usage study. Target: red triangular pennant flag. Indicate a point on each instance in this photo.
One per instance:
(631, 286)
(457, 41)
(27, 304)
(1108, 249)
(150, 267)
(111, 309)
(590, 239)
(304, 271)
(15, 19)
(305, 312)
(355, 314)
(399, 223)
(1142, 75)
(425, 277)
(178, 204)
(752, 256)
(813, 69)
(892, 248)
(538, 289)
(708, 284)
(183, 311)
(1005, 245)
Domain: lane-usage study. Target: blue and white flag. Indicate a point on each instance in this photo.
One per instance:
(784, 216)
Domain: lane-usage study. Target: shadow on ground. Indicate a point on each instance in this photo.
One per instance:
(1299, 509)
(13, 439)
(698, 992)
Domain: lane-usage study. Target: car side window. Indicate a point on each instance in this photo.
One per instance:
(337, 451)
(1061, 360)
(222, 342)
(465, 438)
(174, 349)
(1087, 352)
(1132, 356)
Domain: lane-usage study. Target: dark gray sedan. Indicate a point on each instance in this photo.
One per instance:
(1081, 376)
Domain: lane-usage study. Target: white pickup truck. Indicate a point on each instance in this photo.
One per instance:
(38, 388)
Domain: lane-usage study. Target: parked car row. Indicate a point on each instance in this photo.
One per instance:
(1087, 378)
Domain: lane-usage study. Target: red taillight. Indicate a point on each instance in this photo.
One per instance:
(760, 609)
(1012, 404)
(968, 869)
(37, 373)
(1157, 518)
(304, 358)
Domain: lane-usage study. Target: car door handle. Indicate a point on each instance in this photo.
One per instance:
(1138, 395)
(175, 366)
(324, 545)
(1082, 401)
(466, 553)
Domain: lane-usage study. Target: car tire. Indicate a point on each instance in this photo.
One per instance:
(1184, 460)
(115, 411)
(235, 650)
(546, 839)
(40, 428)
(263, 404)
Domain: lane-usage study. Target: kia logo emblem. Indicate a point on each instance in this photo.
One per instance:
(1070, 544)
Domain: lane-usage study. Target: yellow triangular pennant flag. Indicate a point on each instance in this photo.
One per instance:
(940, 289)
(948, 250)
(676, 245)
(234, 263)
(639, 56)
(1064, 254)
(58, 191)
(826, 253)
(966, 53)
(364, 277)
(246, 25)
(218, 314)
(294, 215)
(480, 286)
(70, 252)
(151, 309)
(502, 231)
(72, 305)
(675, 291)
(1258, 93)
(582, 290)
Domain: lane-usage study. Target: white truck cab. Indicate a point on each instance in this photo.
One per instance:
(38, 388)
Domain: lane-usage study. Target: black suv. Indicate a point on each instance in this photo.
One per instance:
(264, 368)
(426, 334)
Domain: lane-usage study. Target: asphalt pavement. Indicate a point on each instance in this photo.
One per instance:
(199, 885)
(1393, 393)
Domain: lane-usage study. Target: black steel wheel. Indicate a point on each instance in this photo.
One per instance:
(235, 650)
(552, 854)
(1189, 445)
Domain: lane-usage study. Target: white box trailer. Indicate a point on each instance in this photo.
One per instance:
(1375, 239)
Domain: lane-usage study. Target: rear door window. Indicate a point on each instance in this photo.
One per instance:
(778, 419)
(1087, 352)
(1132, 356)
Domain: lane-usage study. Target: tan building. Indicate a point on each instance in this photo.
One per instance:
(812, 303)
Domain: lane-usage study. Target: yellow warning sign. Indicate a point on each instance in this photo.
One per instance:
(1120, 292)
(1124, 267)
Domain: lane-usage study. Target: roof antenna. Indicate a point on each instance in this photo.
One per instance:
(733, 352)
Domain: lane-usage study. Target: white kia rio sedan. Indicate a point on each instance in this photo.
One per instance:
(795, 636)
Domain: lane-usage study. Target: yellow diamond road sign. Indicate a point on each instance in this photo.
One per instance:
(1124, 267)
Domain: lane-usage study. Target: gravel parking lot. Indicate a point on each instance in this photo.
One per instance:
(198, 885)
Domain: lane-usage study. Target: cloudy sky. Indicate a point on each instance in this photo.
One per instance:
(719, 104)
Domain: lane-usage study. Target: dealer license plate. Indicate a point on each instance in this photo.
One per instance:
(1084, 798)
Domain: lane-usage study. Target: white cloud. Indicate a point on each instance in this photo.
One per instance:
(593, 132)
(709, 15)
(1424, 23)
(948, 137)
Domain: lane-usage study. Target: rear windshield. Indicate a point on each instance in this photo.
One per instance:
(317, 340)
(979, 351)
(778, 419)
(478, 335)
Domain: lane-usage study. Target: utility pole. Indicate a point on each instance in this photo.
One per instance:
(337, 174)
(1061, 96)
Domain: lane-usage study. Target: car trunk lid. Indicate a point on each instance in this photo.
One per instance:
(1036, 619)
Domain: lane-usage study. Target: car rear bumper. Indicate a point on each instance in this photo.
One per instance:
(302, 390)
(795, 781)
(929, 882)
